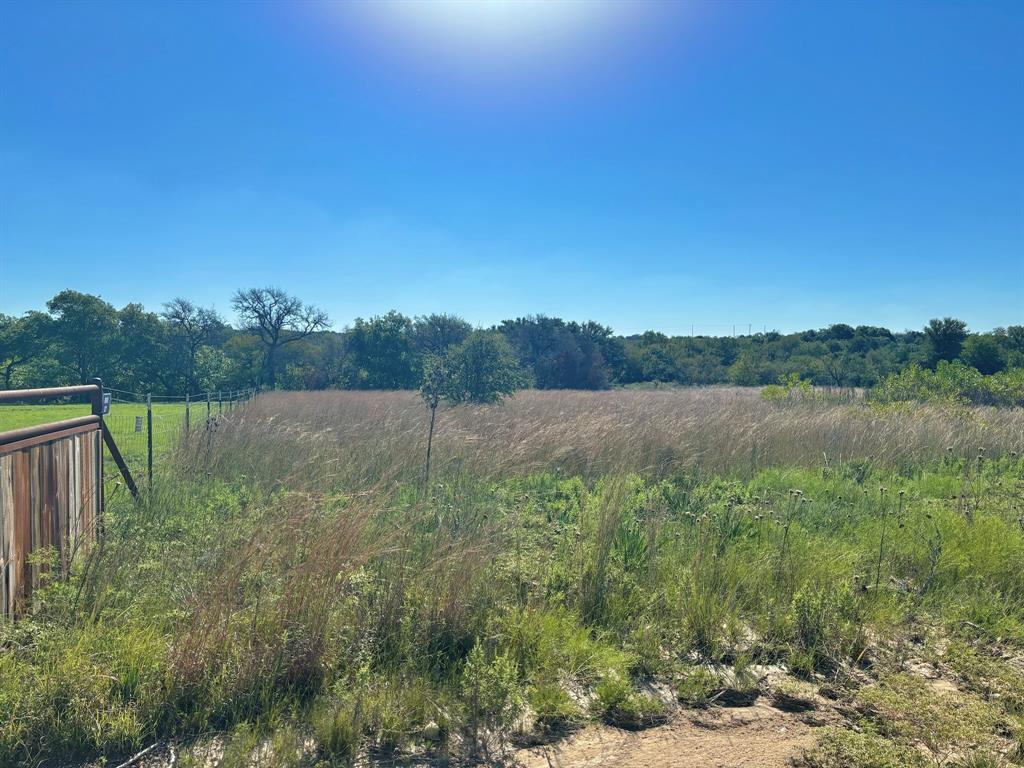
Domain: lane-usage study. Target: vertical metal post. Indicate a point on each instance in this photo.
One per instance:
(220, 403)
(188, 402)
(207, 410)
(96, 401)
(149, 438)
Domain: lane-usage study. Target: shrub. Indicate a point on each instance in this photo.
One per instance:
(952, 382)
(549, 643)
(552, 707)
(338, 725)
(490, 690)
(825, 625)
(790, 387)
(618, 704)
(793, 696)
(697, 687)
(905, 709)
(838, 748)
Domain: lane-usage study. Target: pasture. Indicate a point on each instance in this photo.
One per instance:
(126, 421)
(581, 565)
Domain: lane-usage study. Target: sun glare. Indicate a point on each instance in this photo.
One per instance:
(493, 30)
(503, 22)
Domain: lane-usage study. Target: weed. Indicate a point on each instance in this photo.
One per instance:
(698, 687)
(553, 708)
(619, 704)
(838, 748)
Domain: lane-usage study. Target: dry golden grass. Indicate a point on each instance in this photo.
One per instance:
(368, 437)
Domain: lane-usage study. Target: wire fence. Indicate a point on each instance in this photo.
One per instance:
(148, 428)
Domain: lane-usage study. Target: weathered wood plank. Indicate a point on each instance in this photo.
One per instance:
(50, 496)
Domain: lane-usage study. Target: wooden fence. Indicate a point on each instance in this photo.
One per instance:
(51, 493)
(51, 496)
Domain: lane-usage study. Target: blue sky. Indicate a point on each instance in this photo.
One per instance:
(652, 166)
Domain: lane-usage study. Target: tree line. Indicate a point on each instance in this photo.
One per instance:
(276, 340)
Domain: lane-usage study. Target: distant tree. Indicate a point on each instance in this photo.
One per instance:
(1015, 337)
(246, 354)
(196, 327)
(982, 352)
(604, 355)
(1011, 341)
(746, 370)
(317, 362)
(434, 334)
(562, 355)
(945, 338)
(84, 333)
(383, 353)
(840, 331)
(214, 369)
(483, 370)
(22, 339)
(277, 319)
(143, 353)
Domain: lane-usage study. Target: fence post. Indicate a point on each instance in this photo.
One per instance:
(207, 410)
(96, 402)
(149, 439)
(188, 402)
(220, 403)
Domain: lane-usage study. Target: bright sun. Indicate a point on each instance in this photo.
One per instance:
(493, 28)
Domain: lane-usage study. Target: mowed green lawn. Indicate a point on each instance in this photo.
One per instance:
(126, 421)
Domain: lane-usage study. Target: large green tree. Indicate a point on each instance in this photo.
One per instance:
(193, 327)
(982, 352)
(84, 334)
(383, 354)
(944, 337)
(276, 319)
(435, 334)
(22, 340)
(143, 352)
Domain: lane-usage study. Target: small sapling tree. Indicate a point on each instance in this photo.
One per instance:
(435, 386)
(481, 370)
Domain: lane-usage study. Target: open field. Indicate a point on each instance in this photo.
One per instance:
(123, 421)
(681, 578)
(359, 437)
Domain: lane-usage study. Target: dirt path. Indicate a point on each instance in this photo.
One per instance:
(743, 737)
(723, 737)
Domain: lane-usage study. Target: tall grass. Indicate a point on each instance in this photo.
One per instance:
(361, 438)
(291, 576)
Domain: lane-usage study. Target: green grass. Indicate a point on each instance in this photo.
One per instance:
(168, 424)
(281, 606)
(18, 416)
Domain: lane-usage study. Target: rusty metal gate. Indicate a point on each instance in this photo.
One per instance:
(51, 493)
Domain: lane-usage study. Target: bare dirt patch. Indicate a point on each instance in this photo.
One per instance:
(727, 737)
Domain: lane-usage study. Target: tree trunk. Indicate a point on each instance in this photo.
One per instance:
(430, 442)
(271, 369)
(190, 374)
